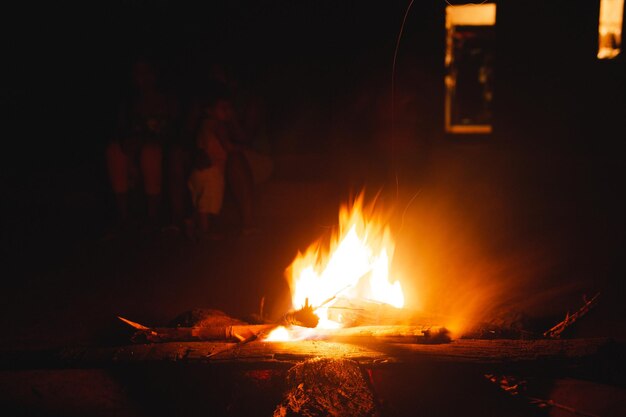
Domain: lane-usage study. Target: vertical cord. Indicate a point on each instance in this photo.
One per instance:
(393, 101)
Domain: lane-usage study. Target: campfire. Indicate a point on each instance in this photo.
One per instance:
(341, 289)
(343, 283)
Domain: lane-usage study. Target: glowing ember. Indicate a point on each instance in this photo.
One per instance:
(356, 266)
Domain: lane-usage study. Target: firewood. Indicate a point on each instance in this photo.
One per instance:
(394, 334)
(517, 387)
(240, 333)
(204, 317)
(362, 312)
(486, 353)
(224, 332)
(237, 333)
(305, 317)
(555, 332)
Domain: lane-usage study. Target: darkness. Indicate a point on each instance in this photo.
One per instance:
(539, 203)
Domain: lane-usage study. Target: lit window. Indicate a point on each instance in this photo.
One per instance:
(610, 28)
(470, 50)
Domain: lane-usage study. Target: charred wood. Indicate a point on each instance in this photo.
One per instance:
(237, 333)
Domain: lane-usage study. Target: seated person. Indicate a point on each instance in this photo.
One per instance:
(221, 137)
(135, 154)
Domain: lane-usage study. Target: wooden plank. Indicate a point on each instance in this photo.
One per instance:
(475, 351)
(260, 353)
(503, 350)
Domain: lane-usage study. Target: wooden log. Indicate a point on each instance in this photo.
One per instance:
(353, 312)
(258, 353)
(246, 333)
(236, 333)
(397, 334)
(466, 351)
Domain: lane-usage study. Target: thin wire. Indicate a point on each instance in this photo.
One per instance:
(393, 89)
(406, 208)
(393, 98)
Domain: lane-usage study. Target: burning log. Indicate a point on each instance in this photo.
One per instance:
(200, 325)
(205, 317)
(305, 317)
(249, 332)
(236, 333)
(391, 334)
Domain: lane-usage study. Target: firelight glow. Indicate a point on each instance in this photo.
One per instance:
(356, 266)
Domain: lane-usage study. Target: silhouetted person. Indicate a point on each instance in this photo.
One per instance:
(135, 155)
(221, 137)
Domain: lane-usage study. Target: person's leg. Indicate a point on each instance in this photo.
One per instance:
(239, 178)
(151, 161)
(118, 171)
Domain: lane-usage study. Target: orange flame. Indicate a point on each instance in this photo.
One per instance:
(356, 265)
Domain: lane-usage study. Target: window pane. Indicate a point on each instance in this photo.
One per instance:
(469, 68)
(610, 28)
